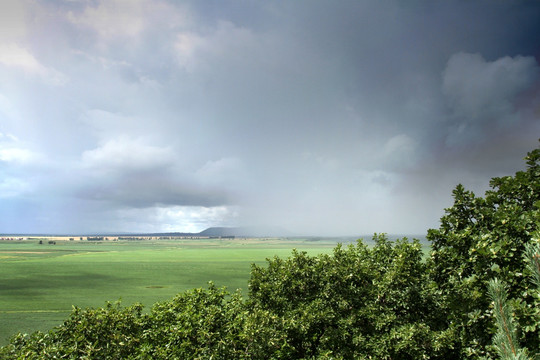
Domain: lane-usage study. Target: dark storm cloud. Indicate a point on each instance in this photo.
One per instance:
(322, 117)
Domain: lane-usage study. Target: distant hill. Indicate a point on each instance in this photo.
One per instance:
(250, 231)
(247, 231)
(220, 231)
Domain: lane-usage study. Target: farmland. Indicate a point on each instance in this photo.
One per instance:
(41, 282)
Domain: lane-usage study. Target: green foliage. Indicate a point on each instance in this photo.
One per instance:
(483, 238)
(111, 332)
(197, 324)
(360, 302)
(532, 256)
(356, 303)
(505, 339)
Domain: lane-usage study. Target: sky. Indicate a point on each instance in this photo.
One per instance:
(319, 117)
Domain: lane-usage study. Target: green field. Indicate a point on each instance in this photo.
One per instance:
(39, 284)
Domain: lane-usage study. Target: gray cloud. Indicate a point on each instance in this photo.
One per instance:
(324, 118)
(482, 95)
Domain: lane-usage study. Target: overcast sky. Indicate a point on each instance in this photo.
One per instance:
(320, 117)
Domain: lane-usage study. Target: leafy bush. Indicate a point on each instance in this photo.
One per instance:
(356, 303)
(197, 324)
(483, 238)
(111, 332)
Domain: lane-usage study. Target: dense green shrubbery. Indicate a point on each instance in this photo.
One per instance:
(484, 238)
(383, 302)
(357, 303)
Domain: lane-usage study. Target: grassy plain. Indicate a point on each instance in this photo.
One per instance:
(39, 284)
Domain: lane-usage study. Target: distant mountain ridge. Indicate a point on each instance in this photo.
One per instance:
(249, 231)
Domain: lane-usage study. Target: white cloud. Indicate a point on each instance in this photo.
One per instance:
(113, 17)
(176, 218)
(13, 55)
(186, 46)
(17, 155)
(117, 19)
(195, 218)
(15, 152)
(9, 137)
(126, 154)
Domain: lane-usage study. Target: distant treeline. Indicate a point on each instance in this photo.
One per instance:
(95, 238)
